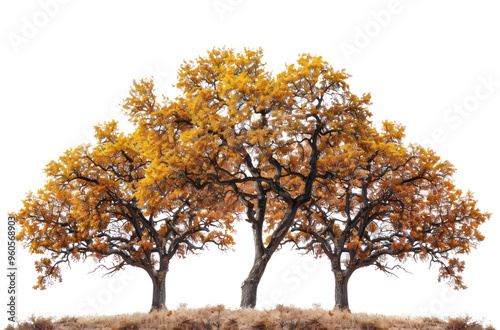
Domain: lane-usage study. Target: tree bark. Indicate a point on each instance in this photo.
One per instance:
(341, 297)
(159, 293)
(263, 254)
(251, 284)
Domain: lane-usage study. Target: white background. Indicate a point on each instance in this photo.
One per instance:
(66, 65)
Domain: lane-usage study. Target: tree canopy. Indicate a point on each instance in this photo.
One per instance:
(99, 202)
(294, 154)
(387, 199)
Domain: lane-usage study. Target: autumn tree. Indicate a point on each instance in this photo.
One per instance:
(383, 203)
(255, 136)
(100, 202)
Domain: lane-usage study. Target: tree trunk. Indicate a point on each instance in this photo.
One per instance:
(263, 254)
(159, 295)
(251, 284)
(341, 298)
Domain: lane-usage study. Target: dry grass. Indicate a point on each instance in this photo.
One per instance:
(219, 317)
(35, 323)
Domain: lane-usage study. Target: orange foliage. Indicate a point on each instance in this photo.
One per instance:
(103, 201)
(385, 198)
(293, 154)
(297, 150)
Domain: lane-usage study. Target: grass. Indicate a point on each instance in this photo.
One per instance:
(219, 317)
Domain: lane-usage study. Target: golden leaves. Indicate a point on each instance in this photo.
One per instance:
(96, 200)
(142, 102)
(145, 245)
(450, 272)
(241, 142)
(400, 246)
(354, 245)
(45, 266)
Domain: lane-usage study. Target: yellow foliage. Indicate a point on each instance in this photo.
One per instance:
(291, 151)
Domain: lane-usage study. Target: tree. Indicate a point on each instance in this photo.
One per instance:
(100, 202)
(385, 199)
(255, 137)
